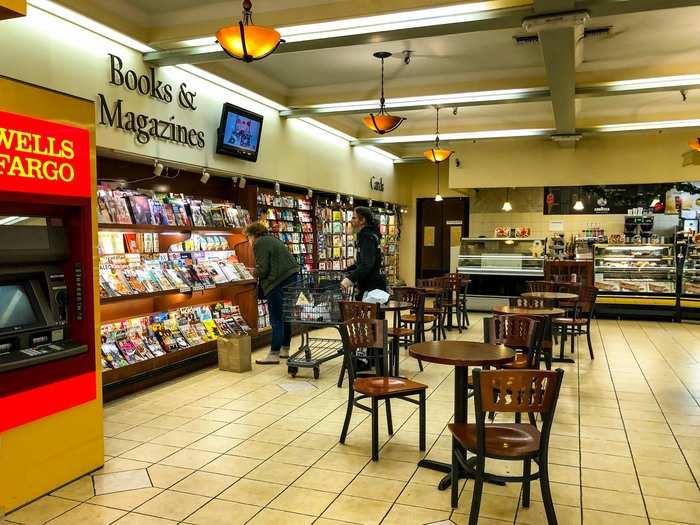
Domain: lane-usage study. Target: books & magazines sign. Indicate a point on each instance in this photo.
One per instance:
(43, 157)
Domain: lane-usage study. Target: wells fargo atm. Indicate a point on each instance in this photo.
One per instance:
(50, 391)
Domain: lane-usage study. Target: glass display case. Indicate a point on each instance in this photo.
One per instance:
(635, 268)
(503, 256)
(691, 271)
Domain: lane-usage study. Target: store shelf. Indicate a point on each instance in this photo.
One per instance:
(159, 228)
(232, 284)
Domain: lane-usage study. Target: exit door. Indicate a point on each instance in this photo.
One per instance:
(441, 226)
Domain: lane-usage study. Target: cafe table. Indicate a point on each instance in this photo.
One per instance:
(550, 296)
(396, 307)
(461, 355)
(547, 314)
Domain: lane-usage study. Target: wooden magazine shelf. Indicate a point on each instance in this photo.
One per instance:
(214, 230)
(191, 291)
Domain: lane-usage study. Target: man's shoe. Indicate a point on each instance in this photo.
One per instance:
(284, 352)
(271, 359)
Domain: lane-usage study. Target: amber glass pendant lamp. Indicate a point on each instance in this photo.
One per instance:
(437, 154)
(247, 41)
(382, 122)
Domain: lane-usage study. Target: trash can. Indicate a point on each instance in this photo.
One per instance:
(234, 353)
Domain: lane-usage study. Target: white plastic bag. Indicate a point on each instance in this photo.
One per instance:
(375, 296)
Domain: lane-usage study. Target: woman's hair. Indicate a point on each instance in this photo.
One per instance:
(368, 216)
(256, 229)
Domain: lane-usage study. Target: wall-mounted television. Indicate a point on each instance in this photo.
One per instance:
(239, 133)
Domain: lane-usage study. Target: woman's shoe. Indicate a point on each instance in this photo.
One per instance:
(284, 352)
(271, 359)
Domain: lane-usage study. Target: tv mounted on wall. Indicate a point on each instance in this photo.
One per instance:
(239, 133)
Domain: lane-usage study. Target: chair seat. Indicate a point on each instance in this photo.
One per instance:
(433, 311)
(398, 331)
(520, 362)
(383, 386)
(511, 440)
(410, 318)
(569, 321)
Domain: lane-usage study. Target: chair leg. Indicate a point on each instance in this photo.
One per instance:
(588, 338)
(454, 476)
(531, 417)
(573, 338)
(421, 420)
(518, 417)
(375, 429)
(343, 369)
(546, 493)
(562, 341)
(527, 467)
(476, 496)
(420, 365)
(346, 423)
(395, 349)
(389, 422)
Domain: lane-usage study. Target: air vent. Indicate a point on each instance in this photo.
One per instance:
(589, 32)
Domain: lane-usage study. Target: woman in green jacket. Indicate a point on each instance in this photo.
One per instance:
(275, 269)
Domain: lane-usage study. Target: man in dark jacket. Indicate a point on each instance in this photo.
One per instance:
(367, 273)
(275, 269)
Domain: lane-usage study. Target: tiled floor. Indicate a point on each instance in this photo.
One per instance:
(222, 448)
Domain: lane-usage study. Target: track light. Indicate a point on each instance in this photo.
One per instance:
(158, 168)
(242, 183)
(205, 176)
(351, 200)
(310, 193)
(507, 206)
(578, 206)
(277, 188)
(337, 198)
(369, 203)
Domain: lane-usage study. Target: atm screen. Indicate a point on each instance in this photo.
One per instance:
(16, 308)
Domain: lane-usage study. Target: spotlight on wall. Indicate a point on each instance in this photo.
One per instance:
(337, 198)
(310, 193)
(351, 200)
(158, 168)
(277, 188)
(242, 183)
(205, 176)
(369, 203)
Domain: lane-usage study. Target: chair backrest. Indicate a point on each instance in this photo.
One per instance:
(358, 310)
(516, 332)
(542, 286)
(567, 287)
(586, 300)
(361, 334)
(528, 302)
(414, 296)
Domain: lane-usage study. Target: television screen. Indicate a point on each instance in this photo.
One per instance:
(239, 133)
(17, 311)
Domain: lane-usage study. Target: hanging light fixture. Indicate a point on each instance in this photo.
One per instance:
(247, 41)
(437, 154)
(694, 144)
(507, 205)
(382, 122)
(578, 205)
(438, 197)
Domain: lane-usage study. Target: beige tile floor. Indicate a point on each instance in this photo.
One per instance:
(222, 448)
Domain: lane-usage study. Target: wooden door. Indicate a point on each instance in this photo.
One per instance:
(440, 227)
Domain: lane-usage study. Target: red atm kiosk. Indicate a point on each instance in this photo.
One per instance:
(50, 401)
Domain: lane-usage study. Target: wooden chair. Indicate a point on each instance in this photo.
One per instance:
(542, 286)
(368, 333)
(532, 391)
(437, 309)
(527, 302)
(408, 333)
(454, 284)
(462, 296)
(355, 310)
(520, 333)
(579, 322)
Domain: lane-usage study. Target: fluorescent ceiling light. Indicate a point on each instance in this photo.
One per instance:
(390, 22)
(89, 24)
(446, 137)
(8, 221)
(659, 83)
(644, 126)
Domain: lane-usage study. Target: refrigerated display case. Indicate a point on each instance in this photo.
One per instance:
(499, 268)
(691, 272)
(636, 278)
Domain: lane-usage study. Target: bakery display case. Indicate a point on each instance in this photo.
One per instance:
(635, 269)
(499, 268)
(691, 272)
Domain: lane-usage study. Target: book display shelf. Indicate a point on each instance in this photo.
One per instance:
(175, 272)
(390, 228)
(289, 217)
(336, 242)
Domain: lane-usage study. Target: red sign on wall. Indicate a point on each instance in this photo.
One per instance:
(43, 157)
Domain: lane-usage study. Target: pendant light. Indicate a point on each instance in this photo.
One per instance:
(694, 144)
(507, 205)
(382, 122)
(246, 41)
(438, 197)
(437, 154)
(578, 205)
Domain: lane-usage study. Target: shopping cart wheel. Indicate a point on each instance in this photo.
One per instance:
(292, 370)
(317, 372)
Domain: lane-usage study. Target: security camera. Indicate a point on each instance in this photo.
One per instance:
(205, 176)
(158, 168)
(458, 163)
(407, 56)
(242, 183)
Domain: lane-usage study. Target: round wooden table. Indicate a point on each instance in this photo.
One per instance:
(461, 355)
(547, 313)
(395, 306)
(550, 296)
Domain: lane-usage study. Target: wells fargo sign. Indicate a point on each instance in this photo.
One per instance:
(39, 156)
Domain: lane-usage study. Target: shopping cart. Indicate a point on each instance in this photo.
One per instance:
(314, 302)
